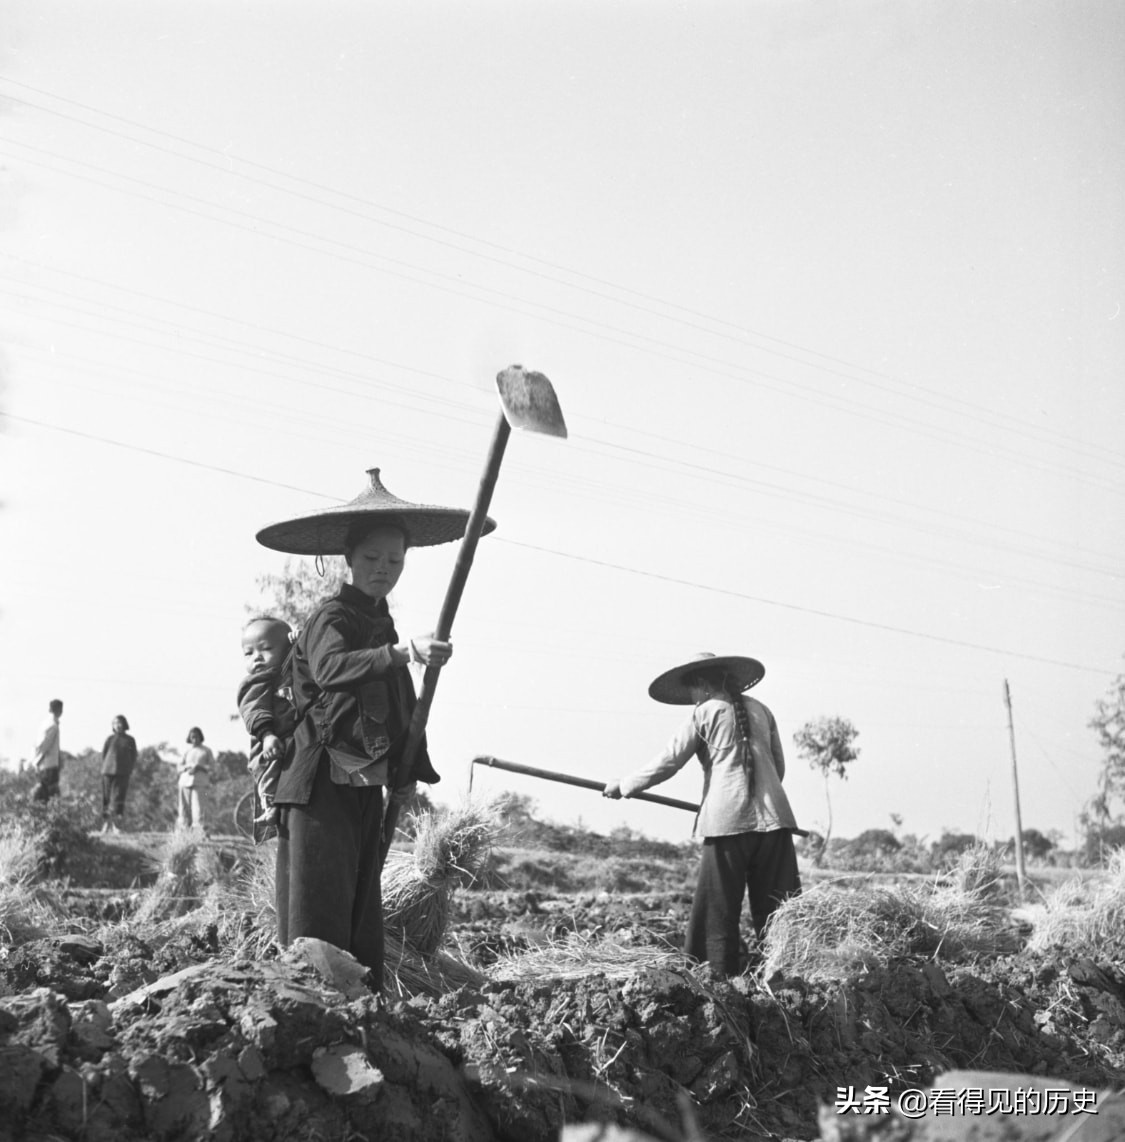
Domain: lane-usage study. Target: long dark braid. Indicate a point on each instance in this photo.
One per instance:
(731, 692)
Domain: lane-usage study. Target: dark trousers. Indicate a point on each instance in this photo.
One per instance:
(763, 864)
(113, 795)
(48, 786)
(328, 869)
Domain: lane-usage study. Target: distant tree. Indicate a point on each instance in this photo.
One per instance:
(827, 744)
(519, 809)
(230, 766)
(80, 781)
(151, 803)
(295, 593)
(1102, 818)
(876, 842)
(1108, 723)
(1101, 842)
(1036, 845)
(950, 846)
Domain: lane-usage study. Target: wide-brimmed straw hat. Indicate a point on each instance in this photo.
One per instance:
(324, 532)
(670, 686)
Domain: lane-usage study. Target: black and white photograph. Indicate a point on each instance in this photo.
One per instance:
(564, 571)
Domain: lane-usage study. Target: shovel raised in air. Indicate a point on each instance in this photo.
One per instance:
(527, 401)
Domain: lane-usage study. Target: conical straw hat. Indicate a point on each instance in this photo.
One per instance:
(324, 532)
(670, 687)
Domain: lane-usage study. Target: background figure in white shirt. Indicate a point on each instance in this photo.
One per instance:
(48, 759)
(744, 816)
(195, 765)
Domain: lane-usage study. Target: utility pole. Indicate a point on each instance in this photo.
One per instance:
(1020, 873)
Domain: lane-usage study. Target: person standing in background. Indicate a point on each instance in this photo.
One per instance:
(194, 767)
(119, 755)
(48, 758)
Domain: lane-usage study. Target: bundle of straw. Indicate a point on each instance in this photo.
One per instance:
(27, 910)
(451, 847)
(249, 914)
(407, 973)
(827, 932)
(187, 869)
(578, 956)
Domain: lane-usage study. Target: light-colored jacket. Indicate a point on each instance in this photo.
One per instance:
(195, 766)
(730, 803)
(47, 751)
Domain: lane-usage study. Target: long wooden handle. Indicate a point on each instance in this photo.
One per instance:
(587, 783)
(581, 782)
(473, 528)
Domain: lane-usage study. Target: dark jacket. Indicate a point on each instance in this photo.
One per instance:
(264, 710)
(348, 693)
(119, 755)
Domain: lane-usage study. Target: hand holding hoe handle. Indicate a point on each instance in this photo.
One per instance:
(527, 401)
(586, 783)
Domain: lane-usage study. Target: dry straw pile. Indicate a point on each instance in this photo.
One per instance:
(248, 916)
(826, 932)
(1087, 918)
(189, 873)
(408, 973)
(27, 909)
(451, 848)
(578, 956)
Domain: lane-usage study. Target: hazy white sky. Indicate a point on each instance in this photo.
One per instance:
(830, 295)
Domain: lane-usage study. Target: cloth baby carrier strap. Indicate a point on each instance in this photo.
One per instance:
(362, 710)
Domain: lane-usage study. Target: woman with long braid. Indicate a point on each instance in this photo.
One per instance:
(744, 816)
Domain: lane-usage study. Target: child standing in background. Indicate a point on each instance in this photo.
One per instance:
(266, 708)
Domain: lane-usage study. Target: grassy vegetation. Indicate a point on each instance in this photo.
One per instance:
(842, 923)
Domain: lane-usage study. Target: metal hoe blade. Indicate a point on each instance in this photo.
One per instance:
(529, 401)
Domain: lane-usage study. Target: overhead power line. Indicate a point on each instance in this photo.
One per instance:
(933, 398)
(633, 456)
(452, 284)
(304, 426)
(224, 160)
(696, 448)
(689, 583)
(590, 327)
(797, 607)
(161, 455)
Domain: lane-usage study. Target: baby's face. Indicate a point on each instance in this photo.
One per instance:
(264, 647)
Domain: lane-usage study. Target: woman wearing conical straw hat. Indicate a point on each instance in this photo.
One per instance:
(354, 698)
(744, 817)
